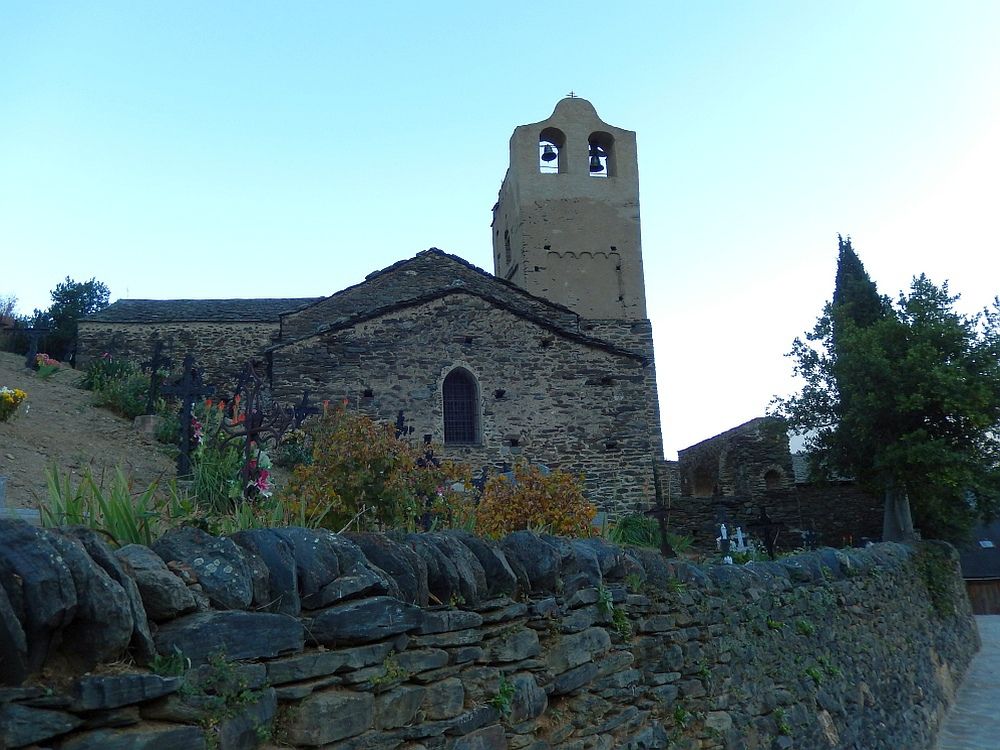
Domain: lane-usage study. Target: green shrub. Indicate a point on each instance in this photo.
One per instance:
(124, 515)
(638, 530)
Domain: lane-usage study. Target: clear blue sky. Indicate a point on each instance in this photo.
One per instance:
(240, 149)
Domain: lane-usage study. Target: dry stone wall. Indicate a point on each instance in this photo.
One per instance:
(297, 638)
(222, 348)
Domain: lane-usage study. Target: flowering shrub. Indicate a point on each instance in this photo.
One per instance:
(10, 399)
(46, 366)
(362, 474)
(554, 502)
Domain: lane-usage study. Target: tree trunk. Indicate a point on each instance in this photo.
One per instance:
(897, 523)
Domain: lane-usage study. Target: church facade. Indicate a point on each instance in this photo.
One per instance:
(550, 358)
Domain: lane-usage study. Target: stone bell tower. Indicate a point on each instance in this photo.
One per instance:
(566, 224)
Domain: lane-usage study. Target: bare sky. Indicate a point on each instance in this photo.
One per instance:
(226, 149)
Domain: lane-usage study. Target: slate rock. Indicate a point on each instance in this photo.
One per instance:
(473, 719)
(539, 559)
(515, 645)
(447, 620)
(444, 699)
(500, 577)
(219, 563)
(358, 576)
(398, 706)
(363, 621)
(487, 738)
(579, 567)
(529, 701)
(576, 649)
(260, 582)
(164, 595)
(141, 645)
(234, 634)
(471, 576)
(323, 663)
(103, 617)
(277, 554)
(144, 737)
(398, 560)
(240, 731)
(316, 560)
(443, 582)
(574, 679)
(93, 693)
(613, 562)
(13, 645)
(330, 716)
(23, 725)
(39, 586)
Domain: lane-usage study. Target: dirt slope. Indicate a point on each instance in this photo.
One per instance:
(61, 427)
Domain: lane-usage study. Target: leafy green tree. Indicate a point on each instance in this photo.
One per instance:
(904, 397)
(72, 300)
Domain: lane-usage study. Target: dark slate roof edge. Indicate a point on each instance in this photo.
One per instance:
(441, 253)
(131, 311)
(413, 301)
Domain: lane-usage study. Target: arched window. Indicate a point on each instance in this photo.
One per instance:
(602, 154)
(550, 151)
(772, 479)
(461, 408)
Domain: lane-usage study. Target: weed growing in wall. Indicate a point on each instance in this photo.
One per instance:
(936, 566)
(503, 701)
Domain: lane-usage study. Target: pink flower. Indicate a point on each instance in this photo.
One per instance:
(195, 430)
(262, 484)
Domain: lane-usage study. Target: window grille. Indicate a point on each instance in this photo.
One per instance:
(461, 412)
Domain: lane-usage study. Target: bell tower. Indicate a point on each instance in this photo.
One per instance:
(566, 224)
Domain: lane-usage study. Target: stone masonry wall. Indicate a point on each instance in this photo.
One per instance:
(836, 514)
(308, 639)
(221, 348)
(548, 398)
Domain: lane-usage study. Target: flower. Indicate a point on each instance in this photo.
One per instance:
(10, 399)
(195, 429)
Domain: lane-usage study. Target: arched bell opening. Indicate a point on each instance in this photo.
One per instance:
(601, 154)
(551, 143)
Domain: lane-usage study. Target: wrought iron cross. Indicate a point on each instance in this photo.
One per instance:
(154, 366)
(188, 388)
(303, 410)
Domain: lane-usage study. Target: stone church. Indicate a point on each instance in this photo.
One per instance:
(549, 358)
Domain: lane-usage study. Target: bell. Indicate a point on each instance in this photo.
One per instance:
(549, 153)
(595, 164)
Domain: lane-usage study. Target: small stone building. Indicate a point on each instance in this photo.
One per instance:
(732, 476)
(550, 358)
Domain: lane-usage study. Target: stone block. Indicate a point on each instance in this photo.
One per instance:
(330, 716)
(398, 706)
(444, 699)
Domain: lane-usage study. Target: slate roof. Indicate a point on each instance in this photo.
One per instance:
(347, 322)
(981, 562)
(427, 272)
(198, 310)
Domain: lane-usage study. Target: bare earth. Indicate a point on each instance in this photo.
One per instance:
(61, 427)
